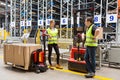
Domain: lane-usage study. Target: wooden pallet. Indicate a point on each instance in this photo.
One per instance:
(17, 66)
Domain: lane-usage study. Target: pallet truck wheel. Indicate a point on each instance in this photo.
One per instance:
(37, 71)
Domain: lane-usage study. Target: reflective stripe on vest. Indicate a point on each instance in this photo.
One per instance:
(53, 34)
(90, 38)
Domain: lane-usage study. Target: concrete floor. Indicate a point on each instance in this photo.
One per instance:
(9, 73)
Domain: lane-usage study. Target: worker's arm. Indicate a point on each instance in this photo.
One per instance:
(83, 36)
(83, 39)
(49, 36)
(97, 31)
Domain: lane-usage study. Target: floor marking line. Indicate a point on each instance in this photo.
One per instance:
(1, 56)
(82, 74)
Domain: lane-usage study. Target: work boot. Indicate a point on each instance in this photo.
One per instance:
(51, 67)
(59, 67)
(90, 75)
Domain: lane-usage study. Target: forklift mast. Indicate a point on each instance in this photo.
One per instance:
(83, 15)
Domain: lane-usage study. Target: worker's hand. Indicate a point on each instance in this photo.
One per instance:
(49, 36)
(95, 39)
(83, 36)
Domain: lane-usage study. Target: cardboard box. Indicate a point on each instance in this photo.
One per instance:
(80, 29)
(28, 49)
(100, 36)
(8, 53)
(27, 57)
(19, 54)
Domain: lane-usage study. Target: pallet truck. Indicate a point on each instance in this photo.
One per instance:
(76, 61)
(38, 57)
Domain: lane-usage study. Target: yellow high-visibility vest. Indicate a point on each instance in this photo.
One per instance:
(54, 34)
(90, 41)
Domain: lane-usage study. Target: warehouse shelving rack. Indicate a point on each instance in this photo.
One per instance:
(13, 17)
(118, 19)
(22, 16)
(66, 12)
(31, 11)
(28, 14)
(17, 27)
(31, 14)
(111, 20)
(41, 13)
(98, 11)
(52, 11)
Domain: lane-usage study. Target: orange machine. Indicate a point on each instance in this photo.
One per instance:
(118, 8)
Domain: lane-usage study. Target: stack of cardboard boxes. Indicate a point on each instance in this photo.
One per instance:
(19, 55)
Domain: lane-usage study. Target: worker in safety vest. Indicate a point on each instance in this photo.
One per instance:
(52, 34)
(91, 43)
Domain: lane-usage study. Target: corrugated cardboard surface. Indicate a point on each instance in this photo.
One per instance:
(19, 54)
(8, 53)
(100, 36)
(24, 53)
(27, 53)
(27, 56)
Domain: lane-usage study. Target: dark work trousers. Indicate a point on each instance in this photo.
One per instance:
(90, 58)
(55, 46)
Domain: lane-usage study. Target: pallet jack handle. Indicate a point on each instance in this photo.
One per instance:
(44, 43)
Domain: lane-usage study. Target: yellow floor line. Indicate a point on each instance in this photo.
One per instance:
(1, 56)
(82, 74)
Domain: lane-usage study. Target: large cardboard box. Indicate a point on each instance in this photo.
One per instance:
(21, 54)
(8, 53)
(27, 50)
(27, 57)
(18, 55)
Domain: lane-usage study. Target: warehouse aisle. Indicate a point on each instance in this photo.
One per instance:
(9, 73)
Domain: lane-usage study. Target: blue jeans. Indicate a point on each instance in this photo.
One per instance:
(90, 58)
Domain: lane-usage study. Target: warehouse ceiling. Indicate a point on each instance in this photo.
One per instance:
(2, 7)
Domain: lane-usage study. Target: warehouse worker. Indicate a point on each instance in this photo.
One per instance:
(91, 44)
(52, 42)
